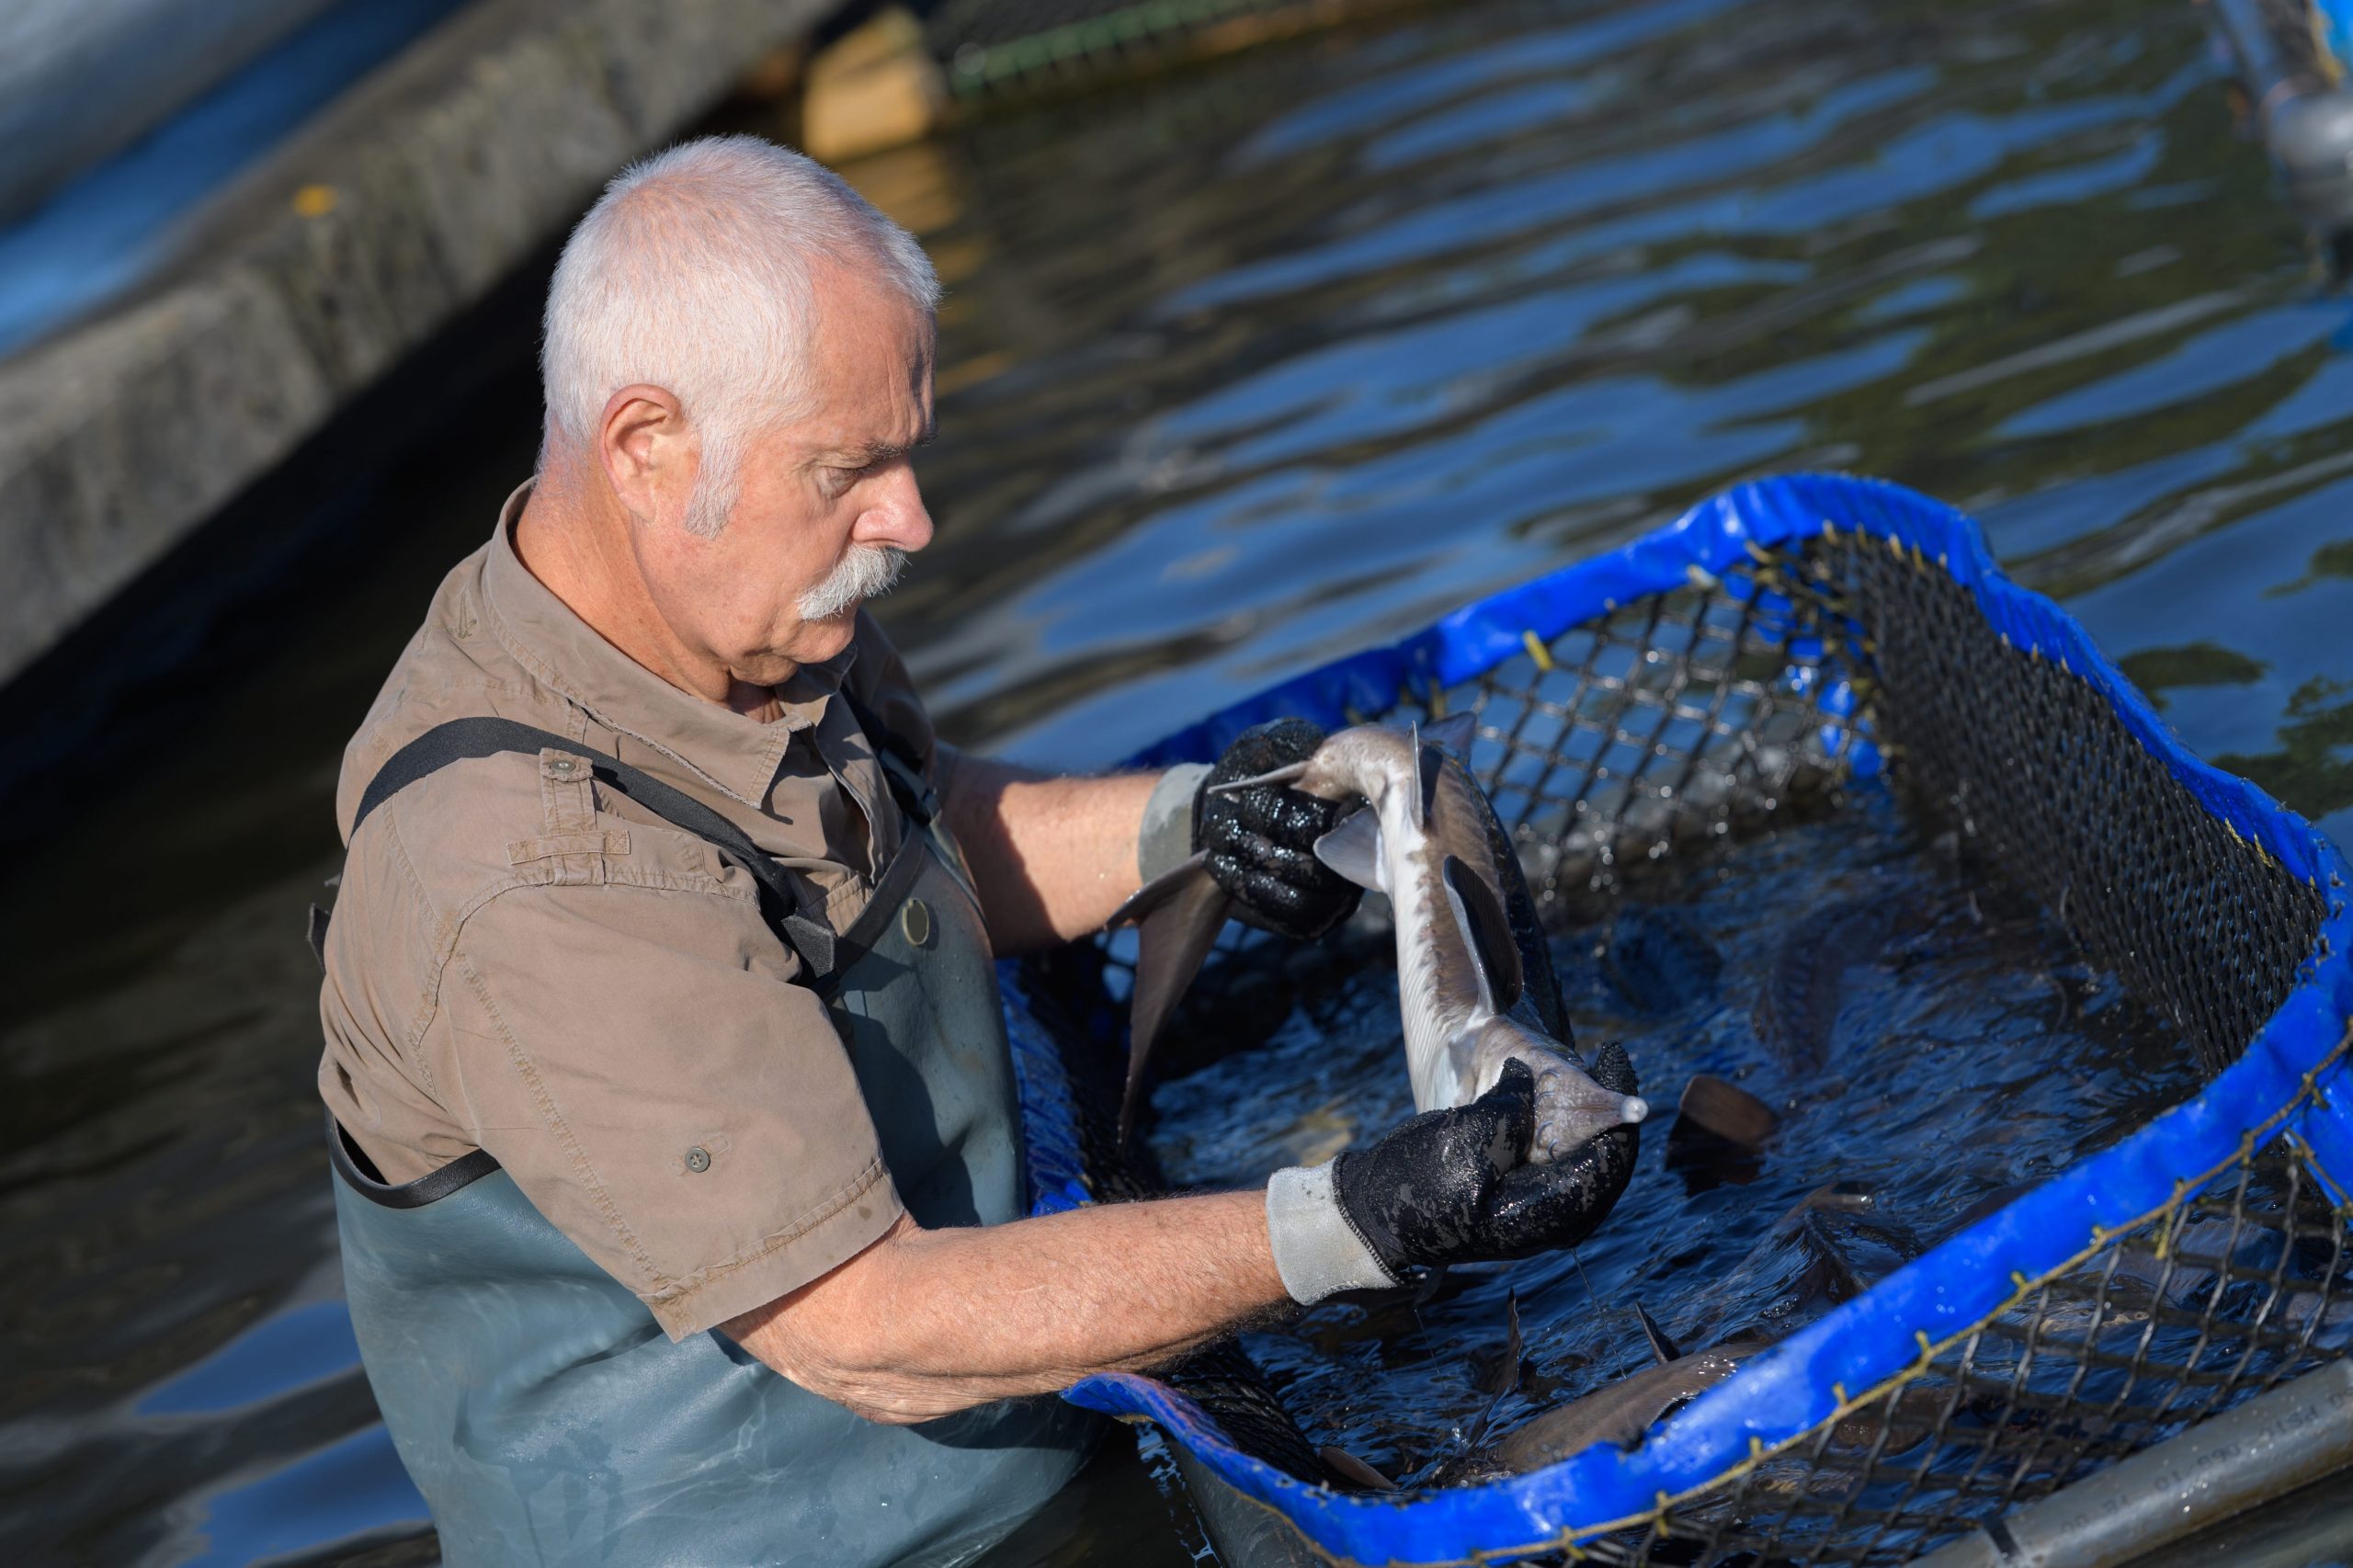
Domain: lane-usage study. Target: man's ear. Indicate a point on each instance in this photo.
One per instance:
(647, 455)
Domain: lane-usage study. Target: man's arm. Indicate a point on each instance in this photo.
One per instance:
(1052, 857)
(924, 1323)
(1055, 856)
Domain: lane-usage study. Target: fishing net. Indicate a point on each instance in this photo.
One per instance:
(1741, 665)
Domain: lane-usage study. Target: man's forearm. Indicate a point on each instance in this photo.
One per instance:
(1054, 856)
(926, 1323)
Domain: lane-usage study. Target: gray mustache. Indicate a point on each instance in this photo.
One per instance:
(867, 572)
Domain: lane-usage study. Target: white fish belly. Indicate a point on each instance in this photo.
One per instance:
(1429, 1021)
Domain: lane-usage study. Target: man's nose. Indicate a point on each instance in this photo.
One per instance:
(897, 515)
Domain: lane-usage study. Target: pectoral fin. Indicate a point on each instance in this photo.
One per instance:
(1353, 849)
(1486, 936)
(1177, 916)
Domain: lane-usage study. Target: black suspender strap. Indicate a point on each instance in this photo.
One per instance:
(462, 738)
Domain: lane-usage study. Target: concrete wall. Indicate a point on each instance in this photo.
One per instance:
(310, 277)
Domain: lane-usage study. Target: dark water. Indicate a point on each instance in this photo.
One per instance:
(1925, 1040)
(1241, 369)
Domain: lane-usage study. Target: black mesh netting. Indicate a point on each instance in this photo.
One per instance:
(2032, 764)
(1703, 712)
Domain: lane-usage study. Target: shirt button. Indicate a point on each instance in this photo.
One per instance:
(698, 1158)
(914, 919)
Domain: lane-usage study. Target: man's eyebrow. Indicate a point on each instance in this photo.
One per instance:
(874, 452)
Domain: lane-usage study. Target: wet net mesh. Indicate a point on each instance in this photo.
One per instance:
(1700, 713)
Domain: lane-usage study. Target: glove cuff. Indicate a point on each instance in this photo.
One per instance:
(1165, 840)
(1317, 1252)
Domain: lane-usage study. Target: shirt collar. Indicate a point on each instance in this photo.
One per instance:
(737, 754)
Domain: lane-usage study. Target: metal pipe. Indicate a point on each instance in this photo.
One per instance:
(2273, 66)
(2305, 118)
(2269, 1446)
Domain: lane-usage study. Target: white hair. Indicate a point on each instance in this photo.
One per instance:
(694, 273)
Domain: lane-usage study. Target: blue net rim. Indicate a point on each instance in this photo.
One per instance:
(2292, 1077)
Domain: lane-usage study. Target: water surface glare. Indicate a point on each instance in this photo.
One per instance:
(1240, 369)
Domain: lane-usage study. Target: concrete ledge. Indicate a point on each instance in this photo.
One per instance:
(310, 277)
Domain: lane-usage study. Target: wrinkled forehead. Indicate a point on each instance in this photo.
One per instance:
(870, 372)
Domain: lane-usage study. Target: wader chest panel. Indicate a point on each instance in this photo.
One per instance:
(546, 1416)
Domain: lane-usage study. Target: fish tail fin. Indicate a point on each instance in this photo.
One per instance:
(1177, 915)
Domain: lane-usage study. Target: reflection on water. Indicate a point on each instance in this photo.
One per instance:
(1240, 369)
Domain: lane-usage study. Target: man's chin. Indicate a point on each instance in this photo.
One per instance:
(812, 642)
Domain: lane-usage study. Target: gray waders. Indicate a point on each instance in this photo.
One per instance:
(541, 1410)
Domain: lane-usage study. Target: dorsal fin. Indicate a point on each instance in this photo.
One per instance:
(1663, 1347)
(1424, 776)
(1454, 734)
(1429, 766)
(1507, 1374)
(1486, 932)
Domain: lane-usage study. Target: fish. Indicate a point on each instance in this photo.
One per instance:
(1797, 1011)
(1622, 1412)
(1476, 980)
(1659, 960)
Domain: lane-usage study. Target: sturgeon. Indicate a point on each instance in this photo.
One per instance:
(1476, 980)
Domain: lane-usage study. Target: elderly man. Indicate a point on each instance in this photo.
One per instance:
(679, 1170)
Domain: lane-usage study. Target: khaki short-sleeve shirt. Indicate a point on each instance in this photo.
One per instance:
(523, 962)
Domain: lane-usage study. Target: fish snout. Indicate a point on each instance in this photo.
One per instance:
(1571, 1110)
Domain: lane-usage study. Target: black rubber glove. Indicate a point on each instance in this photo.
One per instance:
(1443, 1188)
(1261, 842)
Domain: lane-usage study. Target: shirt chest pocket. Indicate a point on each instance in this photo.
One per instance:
(654, 855)
(635, 856)
(568, 859)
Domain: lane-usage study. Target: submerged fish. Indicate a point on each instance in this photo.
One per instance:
(1622, 1412)
(1797, 1011)
(1476, 979)
(1659, 960)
